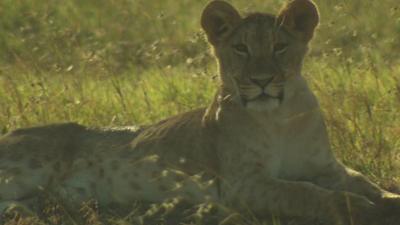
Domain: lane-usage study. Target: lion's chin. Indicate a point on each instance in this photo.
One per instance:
(263, 105)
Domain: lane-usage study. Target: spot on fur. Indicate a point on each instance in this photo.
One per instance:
(35, 164)
(101, 172)
(16, 157)
(162, 187)
(135, 186)
(57, 166)
(115, 165)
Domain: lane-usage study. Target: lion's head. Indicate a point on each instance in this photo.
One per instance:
(258, 53)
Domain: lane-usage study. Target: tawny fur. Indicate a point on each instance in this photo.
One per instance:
(269, 154)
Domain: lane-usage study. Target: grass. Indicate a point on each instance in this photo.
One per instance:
(113, 63)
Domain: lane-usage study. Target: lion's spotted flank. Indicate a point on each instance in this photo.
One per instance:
(260, 146)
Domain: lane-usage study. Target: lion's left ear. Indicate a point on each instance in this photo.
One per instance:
(218, 19)
(301, 17)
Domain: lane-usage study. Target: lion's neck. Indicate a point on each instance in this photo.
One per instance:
(300, 110)
(292, 133)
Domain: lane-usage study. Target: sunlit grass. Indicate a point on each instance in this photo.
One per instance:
(116, 63)
(28, 99)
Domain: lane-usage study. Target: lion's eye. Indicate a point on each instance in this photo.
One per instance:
(241, 49)
(280, 47)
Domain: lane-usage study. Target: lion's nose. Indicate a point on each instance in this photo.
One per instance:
(261, 82)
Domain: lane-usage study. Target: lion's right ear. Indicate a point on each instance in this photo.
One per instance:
(300, 16)
(218, 19)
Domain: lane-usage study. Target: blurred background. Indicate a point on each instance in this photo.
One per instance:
(124, 62)
(117, 36)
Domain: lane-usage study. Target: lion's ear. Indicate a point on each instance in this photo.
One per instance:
(218, 19)
(301, 17)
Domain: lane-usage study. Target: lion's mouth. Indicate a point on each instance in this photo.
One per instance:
(263, 97)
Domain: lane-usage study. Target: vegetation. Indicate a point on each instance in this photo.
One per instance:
(125, 62)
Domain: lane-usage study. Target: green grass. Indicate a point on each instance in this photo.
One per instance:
(125, 62)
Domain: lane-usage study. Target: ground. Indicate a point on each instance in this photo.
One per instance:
(117, 63)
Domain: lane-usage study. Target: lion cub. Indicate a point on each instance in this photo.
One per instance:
(261, 145)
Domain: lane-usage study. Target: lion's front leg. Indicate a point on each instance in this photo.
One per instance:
(341, 178)
(299, 199)
(346, 179)
(350, 180)
(387, 203)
